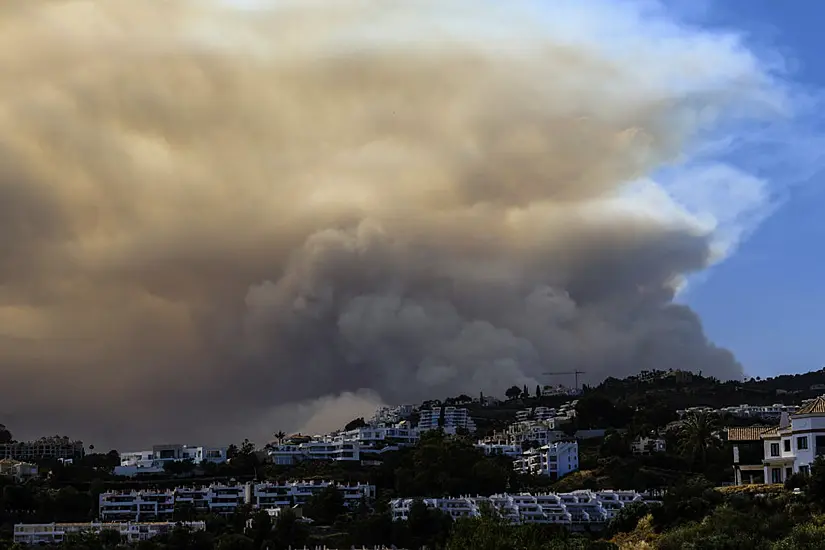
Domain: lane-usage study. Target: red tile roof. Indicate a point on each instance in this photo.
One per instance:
(750, 433)
(817, 406)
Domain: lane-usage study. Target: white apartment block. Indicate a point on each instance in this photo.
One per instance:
(151, 505)
(41, 534)
(569, 509)
(150, 462)
(500, 449)
(555, 460)
(542, 433)
(454, 418)
(44, 448)
(360, 444)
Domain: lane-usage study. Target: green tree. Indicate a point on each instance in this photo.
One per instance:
(325, 506)
(289, 531)
(355, 423)
(5, 435)
(697, 437)
(261, 528)
(538, 391)
(513, 392)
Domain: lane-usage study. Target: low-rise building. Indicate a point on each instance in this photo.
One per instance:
(500, 449)
(392, 415)
(153, 461)
(648, 445)
(43, 449)
(578, 508)
(156, 505)
(18, 471)
(454, 418)
(56, 533)
(748, 452)
(555, 460)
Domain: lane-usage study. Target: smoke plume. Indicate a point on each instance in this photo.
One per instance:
(212, 216)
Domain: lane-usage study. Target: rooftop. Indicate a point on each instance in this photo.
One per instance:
(817, 406)
(749, 433)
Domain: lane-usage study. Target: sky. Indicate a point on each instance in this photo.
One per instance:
(219, 223)
(765, 302)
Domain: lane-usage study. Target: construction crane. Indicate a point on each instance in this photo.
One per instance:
(575, 373)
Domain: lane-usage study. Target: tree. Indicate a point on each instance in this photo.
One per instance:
(698, 436)
(280, 436)
(355, 423)
(261, 528)
(325, 506)
(289, 532)
(5, 435)
(538, 391)
(525, 392)
(513, 392)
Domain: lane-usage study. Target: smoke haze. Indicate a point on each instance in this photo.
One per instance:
(220, 222)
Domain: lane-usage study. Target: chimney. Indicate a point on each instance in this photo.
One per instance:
(784, 420)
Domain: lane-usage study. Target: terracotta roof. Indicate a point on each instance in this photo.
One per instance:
(817, 406)
(750, 433)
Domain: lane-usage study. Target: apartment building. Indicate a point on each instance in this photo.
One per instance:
(156, 505)
(578, 508)
(500, 449)
(454, 418)
(43, 449)
(392, 415)
(42, 534)
(18, 471)
(152, 461)
(360, 444)
(555, 460)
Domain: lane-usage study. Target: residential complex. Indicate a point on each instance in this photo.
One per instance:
(159, 505)
(392, 415)
(555, 460)
(367, 443)
(55, 533)
(450, 419)
(773, 454)
(569, 509)
(761, 412)
(648, 445)
(43, 448)
(153, 461)
(549, 415)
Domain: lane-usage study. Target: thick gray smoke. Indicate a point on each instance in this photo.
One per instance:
(211, 216)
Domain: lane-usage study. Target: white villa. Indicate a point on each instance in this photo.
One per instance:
(555, 460)
(786, 449)
(150, 462)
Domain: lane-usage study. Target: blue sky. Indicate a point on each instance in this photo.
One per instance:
(765, 302)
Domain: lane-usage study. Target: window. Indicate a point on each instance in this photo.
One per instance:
(787, 445)
(774, 449)
(802, 442)
(776, 473)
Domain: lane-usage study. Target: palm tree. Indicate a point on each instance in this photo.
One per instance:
(698, 436)
(279, 436)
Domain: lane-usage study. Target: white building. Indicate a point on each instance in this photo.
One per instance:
(793, 446)
(150, 462)
(541, 433)
(648, 445)
(555, 460)
(43, 448)
(569, 509)
(392, 415)
(18, 471)
(149, 505)
(500, 449)
(455, 418)
(55, 533)
(361, 444)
